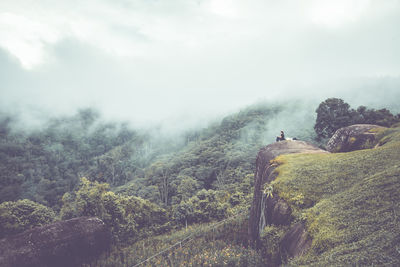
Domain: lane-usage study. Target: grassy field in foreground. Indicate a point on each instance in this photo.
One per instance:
(222, 245)
(350, 203)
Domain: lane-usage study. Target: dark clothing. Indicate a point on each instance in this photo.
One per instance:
(280, 138)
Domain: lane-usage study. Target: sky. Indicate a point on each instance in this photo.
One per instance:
(182, 62)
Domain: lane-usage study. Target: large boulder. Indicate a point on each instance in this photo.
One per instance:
(278, 211)
(270, 208)
(296, 241)
(63, 243)
(354, 137)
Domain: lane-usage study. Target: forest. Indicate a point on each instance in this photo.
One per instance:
(142, 184)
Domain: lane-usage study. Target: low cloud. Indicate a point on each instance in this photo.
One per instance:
(184, 62)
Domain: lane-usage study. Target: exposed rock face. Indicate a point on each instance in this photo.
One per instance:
(272, 210)
(63, 243)
(278, 212)
(296, 241)
(354, 137)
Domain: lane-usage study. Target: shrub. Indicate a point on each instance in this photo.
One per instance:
(21, 215)
(128, 217)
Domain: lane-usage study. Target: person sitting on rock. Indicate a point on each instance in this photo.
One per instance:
(280, 138)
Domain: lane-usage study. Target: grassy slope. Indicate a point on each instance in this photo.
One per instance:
(203, 245)
(349, 201)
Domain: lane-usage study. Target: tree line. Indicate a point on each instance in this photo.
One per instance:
(334, 113)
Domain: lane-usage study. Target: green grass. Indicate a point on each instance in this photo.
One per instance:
(223, 245)
(350, 203)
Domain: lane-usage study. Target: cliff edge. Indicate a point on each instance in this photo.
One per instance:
(272, 209)
(330, 209)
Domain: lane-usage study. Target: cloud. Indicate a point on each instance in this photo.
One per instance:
(336, 13)
(187, 60)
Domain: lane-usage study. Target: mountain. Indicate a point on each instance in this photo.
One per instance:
(44, 163)
(194, 189)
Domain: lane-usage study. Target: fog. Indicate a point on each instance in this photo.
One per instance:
(184, 63)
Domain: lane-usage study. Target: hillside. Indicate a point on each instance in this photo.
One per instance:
(155, 192)
(349, 203)
(218, 157)
(42, 164)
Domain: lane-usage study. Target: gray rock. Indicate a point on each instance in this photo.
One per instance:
(354, 137)
(277, 211)
(63, 243)
(266, 210)
(296, 242)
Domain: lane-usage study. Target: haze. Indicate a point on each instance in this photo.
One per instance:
(186, 61)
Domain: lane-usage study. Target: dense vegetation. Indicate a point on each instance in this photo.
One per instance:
(222, 244)
(22, 215)
(42, 165)
(146, 188)
(129, 218)
(197, 177)
(334, 113)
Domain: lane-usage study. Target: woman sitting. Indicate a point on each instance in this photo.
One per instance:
(280, 138)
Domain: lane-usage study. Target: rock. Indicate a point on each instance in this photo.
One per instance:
(296, 241)
(354, 137)
(278, 212)
(267, 210)
(63, 243)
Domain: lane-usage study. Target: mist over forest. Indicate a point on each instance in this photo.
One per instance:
(150, 116)
(44, 161)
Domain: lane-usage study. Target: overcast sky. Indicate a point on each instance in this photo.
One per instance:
(185, 60)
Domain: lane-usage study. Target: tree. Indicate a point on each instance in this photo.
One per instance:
(206, 206)
(125, 216)
(95, 199)
(332, 114)
(159, 173)
(382, 117)
(187, 187)
(183, 212)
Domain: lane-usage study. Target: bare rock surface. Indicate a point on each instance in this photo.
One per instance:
(354, 137)
(278, 212)
(296, 241)
(63, 243)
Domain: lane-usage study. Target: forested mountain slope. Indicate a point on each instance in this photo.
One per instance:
(145, 186)
(44, 163)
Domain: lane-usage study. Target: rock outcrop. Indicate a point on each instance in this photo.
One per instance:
(296, 241)
(354, 137)
(274, 210)
(63, 243)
